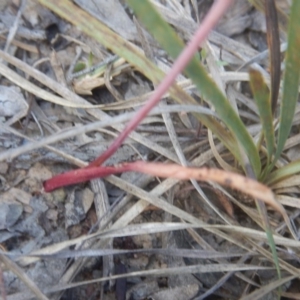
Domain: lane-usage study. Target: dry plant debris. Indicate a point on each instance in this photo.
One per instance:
(195, 240)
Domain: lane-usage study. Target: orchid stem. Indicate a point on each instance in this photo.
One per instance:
(216, 12)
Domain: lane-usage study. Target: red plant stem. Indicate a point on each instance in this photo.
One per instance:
(232, 180)
(78, 176)
(156, 169)
(90, 172)
(211, 19)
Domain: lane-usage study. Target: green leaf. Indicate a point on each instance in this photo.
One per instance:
(168, 39)
(263, 213)
(261, 95)
(90, 59)
(79, 66)
(284, 172)
(274, 251)
(290, 79)
(203, 54)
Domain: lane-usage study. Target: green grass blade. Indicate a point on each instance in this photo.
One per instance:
(274, 252)
(290, 79)
(168, 39)
(261, 95)
(284, 172)
(263, 213)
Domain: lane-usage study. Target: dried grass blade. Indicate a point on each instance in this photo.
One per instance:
(23, 276)
(274, 50)
(264, 290)
(169, 271)
(262, 98)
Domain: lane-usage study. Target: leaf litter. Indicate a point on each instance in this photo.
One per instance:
(45, 224)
